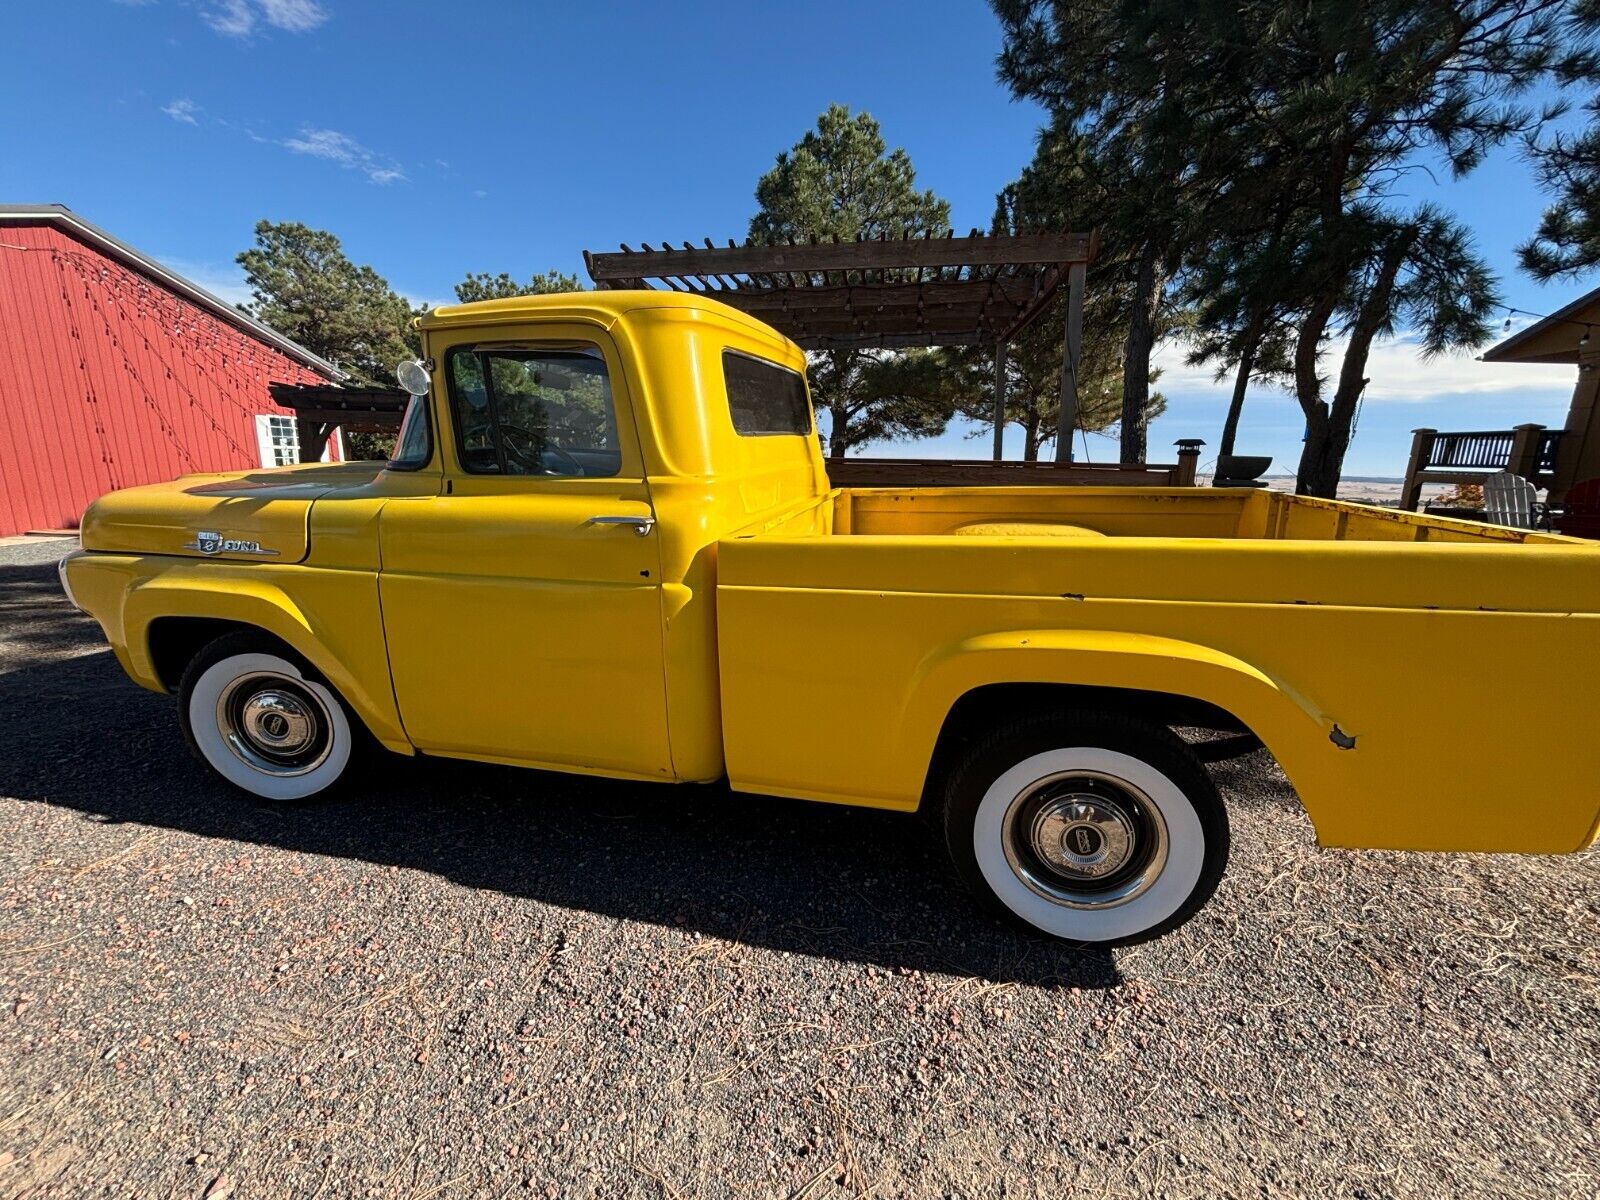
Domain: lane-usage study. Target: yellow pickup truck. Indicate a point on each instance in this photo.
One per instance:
(606, 543)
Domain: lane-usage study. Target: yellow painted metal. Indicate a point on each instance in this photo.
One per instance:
(812, 642)
(1390, 644)
(520, 629)
(327, 614)
(269, 506)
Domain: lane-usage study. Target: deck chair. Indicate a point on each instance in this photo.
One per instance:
(1580, 511)
(1512, 501)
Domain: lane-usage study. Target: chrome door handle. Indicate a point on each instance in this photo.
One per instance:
(641, 525)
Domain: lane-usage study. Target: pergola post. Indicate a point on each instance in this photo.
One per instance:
(313, 438)
(1071, 355)
(999, 400)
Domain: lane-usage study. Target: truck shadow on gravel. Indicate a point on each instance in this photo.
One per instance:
(847, 884)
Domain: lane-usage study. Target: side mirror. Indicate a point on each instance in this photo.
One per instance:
(414, 376)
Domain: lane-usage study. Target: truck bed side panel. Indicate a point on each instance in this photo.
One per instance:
(1375, 672)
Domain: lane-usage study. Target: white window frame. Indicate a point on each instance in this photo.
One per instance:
(278, 441)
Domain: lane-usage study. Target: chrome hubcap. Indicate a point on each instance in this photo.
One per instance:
(278, 721)
(1085, 840)
(1082, 837)
(274, 724)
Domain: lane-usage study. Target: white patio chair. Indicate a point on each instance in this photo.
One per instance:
(1511, 500)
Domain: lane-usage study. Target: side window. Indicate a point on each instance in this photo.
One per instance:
(522, 411)
(764, 398)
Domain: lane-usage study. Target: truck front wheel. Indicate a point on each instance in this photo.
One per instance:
(258, 717)
(1093, 828)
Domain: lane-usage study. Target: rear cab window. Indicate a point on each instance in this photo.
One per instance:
(764, 399)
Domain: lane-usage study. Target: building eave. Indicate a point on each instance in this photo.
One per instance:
(1545, 341)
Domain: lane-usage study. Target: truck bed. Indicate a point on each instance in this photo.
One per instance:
(1409, 673)
(1152, 512)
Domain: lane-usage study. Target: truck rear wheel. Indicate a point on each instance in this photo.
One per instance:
(256, 715)
(1093, 828)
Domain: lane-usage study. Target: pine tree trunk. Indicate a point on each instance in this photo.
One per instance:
(1320, 459)
(1030, 438)
(1241, 384)
(1328, 439)
(1308, 391)
(838, 441)
(1136, 355)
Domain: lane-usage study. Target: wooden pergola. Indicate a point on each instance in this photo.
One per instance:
(320, 408)
(886, 293)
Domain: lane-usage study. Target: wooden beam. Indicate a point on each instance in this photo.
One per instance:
(888, 341)
(971, 322)
(828, 256)
(890, 318)
(350, 418)
(970, 319)
(1071, 357)
(1017, 293)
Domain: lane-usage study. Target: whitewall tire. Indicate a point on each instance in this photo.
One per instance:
(1093, 828)
(254, 714)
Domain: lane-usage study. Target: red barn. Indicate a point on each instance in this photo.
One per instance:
(115, 371)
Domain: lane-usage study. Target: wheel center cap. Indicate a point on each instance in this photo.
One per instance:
(278, 721)
(1082, 841)
(1082, 836)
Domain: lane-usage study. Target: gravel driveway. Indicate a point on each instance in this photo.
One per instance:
(468, 981)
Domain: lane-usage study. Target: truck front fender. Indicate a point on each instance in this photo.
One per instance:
(330, 618)
(1307, 744)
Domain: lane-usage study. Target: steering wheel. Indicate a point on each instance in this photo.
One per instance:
(533, 449)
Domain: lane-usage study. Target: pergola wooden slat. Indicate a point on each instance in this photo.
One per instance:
(886, 293)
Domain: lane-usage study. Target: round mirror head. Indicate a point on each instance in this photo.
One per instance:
(413, 376)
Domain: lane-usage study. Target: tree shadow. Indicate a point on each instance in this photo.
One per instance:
(848, 884)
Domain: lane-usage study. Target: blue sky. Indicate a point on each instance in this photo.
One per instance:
(478, 136)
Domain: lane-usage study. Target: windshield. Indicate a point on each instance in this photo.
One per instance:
(414, 447)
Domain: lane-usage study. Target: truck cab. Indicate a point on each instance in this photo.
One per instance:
(589, 452)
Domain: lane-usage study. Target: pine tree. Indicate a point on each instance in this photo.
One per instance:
(503, 286)
(1568, 239)
(304, 286)
(841, 182)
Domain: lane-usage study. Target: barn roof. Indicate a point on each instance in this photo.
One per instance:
(64, 218)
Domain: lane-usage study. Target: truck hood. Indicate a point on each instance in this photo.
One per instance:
(259, 516)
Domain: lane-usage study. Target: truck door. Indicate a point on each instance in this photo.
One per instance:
(522, 605)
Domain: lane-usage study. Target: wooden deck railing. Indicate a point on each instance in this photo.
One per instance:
(956, 472)
(1469, 457)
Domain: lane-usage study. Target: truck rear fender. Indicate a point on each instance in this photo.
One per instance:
(155, 618)
(1178, 682)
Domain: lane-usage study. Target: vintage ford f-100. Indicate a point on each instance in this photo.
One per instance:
(606, 543)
